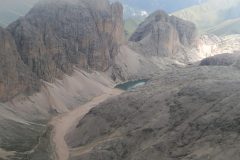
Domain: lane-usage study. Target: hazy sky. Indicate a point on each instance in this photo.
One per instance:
(10, 10)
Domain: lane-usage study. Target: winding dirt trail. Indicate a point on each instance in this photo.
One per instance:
(64, 123)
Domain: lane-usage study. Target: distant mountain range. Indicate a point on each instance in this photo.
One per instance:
(135, 11)
(134, 8)
(10, 10)
(214, 16)
(210, 16)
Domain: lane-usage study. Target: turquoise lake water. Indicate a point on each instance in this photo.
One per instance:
(131, 84)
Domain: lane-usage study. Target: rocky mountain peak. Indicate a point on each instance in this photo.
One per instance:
(53, 37)
(164, 35)
(159, 16)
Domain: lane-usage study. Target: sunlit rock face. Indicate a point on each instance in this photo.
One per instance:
(57, 34)
(165, 36)
(210, 45)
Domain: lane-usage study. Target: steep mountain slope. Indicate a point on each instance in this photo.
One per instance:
(210, 13)
(205, 13)
(57, 34)
(13, 9)
(164, 36)
(24, 130)
(56, 39)
(15, 77)
(135, 11)
(71, 51)
(210, 16)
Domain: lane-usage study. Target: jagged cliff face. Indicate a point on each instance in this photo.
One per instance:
(210, 45)
(57, 34)
(46, 44)
(165, 36)
(14, 75)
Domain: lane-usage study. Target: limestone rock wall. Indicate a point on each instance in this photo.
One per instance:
(165, 36)
(15, 77)
(55, 35)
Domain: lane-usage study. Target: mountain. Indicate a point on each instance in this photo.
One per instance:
(226, 28)
(49, 42)
(135, 11)
(12, 9)
(206, 14)
(134, 6)
(15, 77)
(211, 14)
(60, 64)
(165, 36)
(59, 55)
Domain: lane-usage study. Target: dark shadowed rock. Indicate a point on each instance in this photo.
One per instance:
(164, 35)
(57, 34)
(47, 43)
(221, 60)
(15, 77)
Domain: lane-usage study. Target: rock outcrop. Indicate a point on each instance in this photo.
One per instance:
(15, 77)
(226, 59)
(164, 35)
(57, 34)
